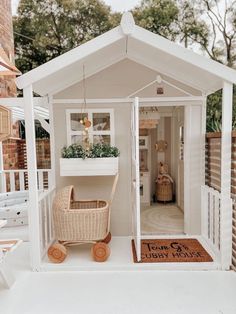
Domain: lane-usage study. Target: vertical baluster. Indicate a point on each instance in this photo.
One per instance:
(41, 224)
(49, 216)
(12, 182)
(45, 222)
(22, 180)
(3, 182)
(217, 218)
(40, 180)
(49, 180)
(204, 208)
(219, 221)
(213, 217)
(211, 214)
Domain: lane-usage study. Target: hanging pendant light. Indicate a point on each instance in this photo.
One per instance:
(84, 119)
(149, 117)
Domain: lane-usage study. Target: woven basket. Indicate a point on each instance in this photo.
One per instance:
(164, 192)
(79, 221)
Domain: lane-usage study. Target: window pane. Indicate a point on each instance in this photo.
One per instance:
(102, 139)
(101, 121)
(75, 121)
(77, 139)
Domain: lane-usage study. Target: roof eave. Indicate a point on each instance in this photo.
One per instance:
(221, 71)
(69, 57)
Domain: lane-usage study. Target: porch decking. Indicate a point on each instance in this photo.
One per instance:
(121, 259)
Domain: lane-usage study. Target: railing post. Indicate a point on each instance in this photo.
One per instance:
(204, 212)
(226, 204)
(52, 173)
(2, 176)
(34, 231)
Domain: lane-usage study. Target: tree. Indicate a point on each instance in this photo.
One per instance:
(210, 24)
(191, 29)
(158, 16)
(45, 29)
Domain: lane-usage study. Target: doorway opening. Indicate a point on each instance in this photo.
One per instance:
(161, 165)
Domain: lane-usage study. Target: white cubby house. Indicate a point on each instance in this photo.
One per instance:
(120, 68)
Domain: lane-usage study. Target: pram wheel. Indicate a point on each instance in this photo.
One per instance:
(100, 252)
(107, 239)
(57, 253)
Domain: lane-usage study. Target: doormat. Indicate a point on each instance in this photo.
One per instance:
(171, 251)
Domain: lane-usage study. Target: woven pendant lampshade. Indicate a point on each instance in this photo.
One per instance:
(149, 117)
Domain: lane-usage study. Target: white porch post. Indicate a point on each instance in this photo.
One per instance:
(2, 177)
(226, 204)
(52, 180)
(204, 115)
(32, 178)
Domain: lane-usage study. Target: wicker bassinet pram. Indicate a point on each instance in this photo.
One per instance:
(78, 222)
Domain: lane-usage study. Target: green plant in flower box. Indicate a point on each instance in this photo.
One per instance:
(95, 151)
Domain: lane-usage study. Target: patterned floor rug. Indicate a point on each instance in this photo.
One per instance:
(162, 219)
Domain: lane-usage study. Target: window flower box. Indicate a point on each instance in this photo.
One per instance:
(97, 160)
(89, 166)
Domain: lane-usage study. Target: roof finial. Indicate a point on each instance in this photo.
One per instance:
(127, 23)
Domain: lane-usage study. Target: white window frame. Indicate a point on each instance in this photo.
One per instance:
(90, 112)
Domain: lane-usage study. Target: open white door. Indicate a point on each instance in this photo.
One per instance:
(136, 177)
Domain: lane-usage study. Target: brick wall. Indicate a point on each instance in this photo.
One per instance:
(14, 154)
(43, 153)
(7, 85)
(213, 171)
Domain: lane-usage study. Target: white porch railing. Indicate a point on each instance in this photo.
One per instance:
(17, 180)
(45, 220)
(211, 218)
(211, 202)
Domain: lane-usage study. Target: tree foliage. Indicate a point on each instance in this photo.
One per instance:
(158, 16)
(211, 25)
(45, 29)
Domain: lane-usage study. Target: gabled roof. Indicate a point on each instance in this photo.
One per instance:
(133, 42)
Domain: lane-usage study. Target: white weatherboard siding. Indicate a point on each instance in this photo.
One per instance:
(100, 187)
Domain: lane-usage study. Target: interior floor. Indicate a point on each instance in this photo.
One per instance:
(162, 219)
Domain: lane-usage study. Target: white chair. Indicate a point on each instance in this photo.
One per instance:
(6, 247)
(5, 272)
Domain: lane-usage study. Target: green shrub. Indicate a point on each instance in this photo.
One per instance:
(95, 151)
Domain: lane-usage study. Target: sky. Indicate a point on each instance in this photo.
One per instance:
(116, 5)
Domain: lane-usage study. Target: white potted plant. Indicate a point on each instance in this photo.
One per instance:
(98, 160)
